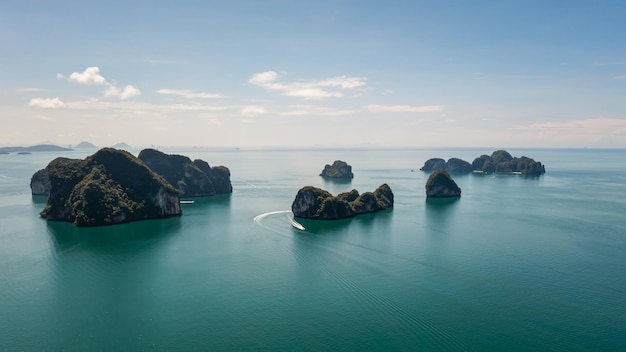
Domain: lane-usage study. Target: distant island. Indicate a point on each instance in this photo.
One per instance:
(500, 161)
(85, 145)
(318, 204)
(109, 187)
(34, 148)
(339, 169)
(121, 145)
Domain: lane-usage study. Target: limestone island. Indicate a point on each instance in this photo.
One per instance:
(441, 185)
(109, 187)
(191, 178)
(339, 169)
(499, 161)
(34, 148)
(318, 204)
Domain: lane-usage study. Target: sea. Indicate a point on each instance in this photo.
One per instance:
(516, 263)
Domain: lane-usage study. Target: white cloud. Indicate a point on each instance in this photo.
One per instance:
(403, 108)
(46, 103)
(326, 88)
(215, 122)
(620, 77)
(91, 75)
(247, 121)
(251, 111)
(125, 93)
(263, 78)
(140, 107)
(190, 94)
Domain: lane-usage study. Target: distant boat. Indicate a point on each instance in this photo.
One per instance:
(186, 202)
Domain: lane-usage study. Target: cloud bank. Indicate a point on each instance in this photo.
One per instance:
(326, 88)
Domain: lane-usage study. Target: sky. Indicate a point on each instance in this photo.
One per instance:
(289, 73)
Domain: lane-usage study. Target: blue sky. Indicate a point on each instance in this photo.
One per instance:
(329, 73)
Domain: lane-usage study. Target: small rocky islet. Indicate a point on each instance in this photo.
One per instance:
(500, 161)
(339, 169)
(318, 204)
(112, 186)
(441, 185)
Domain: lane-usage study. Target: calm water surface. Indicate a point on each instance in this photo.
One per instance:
(516, 264)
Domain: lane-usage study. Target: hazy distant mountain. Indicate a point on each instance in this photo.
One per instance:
(84, 144)
(121, 145)
(34, 148)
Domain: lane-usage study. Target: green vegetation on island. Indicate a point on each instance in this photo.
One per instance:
(191, 178)
(109, 187)
(318, 204)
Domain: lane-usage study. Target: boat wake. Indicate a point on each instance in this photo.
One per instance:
(259, 219)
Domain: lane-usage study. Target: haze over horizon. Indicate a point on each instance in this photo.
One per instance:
(326, 73)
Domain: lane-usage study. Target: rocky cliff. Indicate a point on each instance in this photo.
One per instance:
(441, 185)
(40, 183)
(109, 187)
(191, 178)
(339, 169)
(315, 203)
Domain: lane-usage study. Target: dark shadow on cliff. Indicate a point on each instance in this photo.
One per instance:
(65, 236)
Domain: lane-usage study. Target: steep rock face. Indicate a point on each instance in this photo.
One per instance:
(339, 169)
(441, 185)
(40, 183)
(109, 187)
(191, 178)
(315, 203)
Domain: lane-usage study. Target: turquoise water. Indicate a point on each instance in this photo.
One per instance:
(515, 264)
